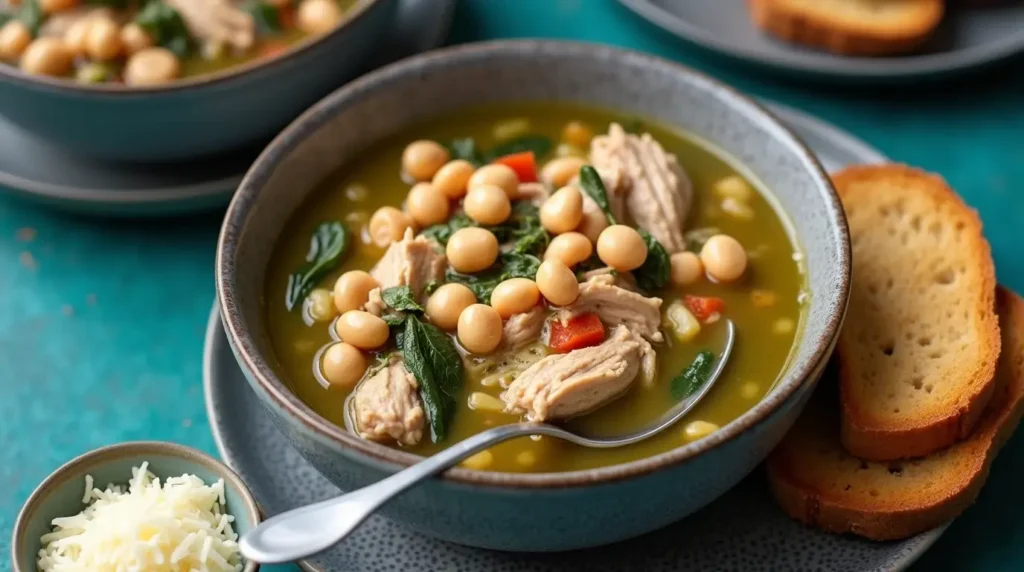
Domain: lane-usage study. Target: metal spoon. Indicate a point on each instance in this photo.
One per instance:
(305, 531)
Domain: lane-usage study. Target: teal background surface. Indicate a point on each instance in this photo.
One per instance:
(102, 321)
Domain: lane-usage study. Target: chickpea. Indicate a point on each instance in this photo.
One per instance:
(563, 210)
(319, 305)
(446, 304)
(515, 296)
(343, 365)
(570, 247)
(557, 282)
(422, 159)
(135, 39)
(47, 56)
(686, 268)
(14, 39)
(352, 290)
(152, 66)
(480, 329)
(487, 204)
(362, 329)
(74, 36)
(103, 40)
(51, 6)
(593, 222)
(622, 248)
(388, 225)
(427, 205)
(577, 133)
(499, 175)
(453, 178)
(558, 172)
(317, 16)
(724, 258)
(472, 249)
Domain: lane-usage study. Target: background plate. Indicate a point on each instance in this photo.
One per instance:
(967, 39)
(34, 169)
(713, 539)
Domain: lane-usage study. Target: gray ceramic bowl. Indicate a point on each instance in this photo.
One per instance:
(555, 511)
(210, 114)
(61, 493)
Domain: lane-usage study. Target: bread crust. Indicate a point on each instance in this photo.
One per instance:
(816, 482)
(845, 31)
(895, 435)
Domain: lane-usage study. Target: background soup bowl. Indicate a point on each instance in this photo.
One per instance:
(555, 511)
(209, 114)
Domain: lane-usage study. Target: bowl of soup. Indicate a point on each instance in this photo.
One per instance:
(544, 232)
(166, 80)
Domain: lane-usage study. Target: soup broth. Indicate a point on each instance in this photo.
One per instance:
(765, 304)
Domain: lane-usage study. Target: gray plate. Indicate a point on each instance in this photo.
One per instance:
(713, 539)
(34, 169)
(966, 40)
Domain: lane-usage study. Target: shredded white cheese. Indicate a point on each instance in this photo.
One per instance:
(180, 526)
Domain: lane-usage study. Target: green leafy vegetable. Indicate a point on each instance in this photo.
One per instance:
(431, 357)
(431, 286)
(693, 377)
(393, 320)
(326, 247)
(539, 144)
(509, 265)
(466, 150)
(592, 184)
(264, 15)
(590, 264)
(654, 273)
(443, 231)
(166, 27)
(29, 13)
(401, 298)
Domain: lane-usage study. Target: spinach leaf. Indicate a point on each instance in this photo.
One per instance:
(431, 357)
(166, 27)
(466, 149)
(592, 184)
(592, 263)
(509, 265)
(401, 298)
(326, 247)
(539, 144)
(518, 265)
(653, 274)
(693, 377)
(443, 231)
(393, 320)
(480, 285)
(431, 286)
(530, 236)
(264, 15)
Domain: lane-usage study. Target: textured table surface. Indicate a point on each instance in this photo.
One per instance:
(101, 322)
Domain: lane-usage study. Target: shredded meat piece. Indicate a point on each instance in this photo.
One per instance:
(412, 261)
(217, 21)
(536, 193)
(622, 279)
(387, 406)
(615, 185)
(659, 192)
(525, 328)
(566, 385)
(375, 305)
(615, 306)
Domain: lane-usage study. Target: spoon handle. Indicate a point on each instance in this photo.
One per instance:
(305, 531)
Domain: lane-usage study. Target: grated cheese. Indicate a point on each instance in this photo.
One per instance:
(179, 526)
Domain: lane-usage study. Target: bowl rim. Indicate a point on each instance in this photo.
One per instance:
(261, 374)
(358, 12)
(82, 464)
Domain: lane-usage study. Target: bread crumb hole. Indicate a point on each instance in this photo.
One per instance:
(896, 470)
(847, 487)
(935, 354)
(863, 465)
(945, 277)
(936, 229)
(929, 388)
(924, 341)
(888, 349)
(896, 410)
(874, 493)
(918, 384)
(915, 223)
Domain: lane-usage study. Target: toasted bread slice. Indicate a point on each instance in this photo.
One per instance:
(851, 27)
(919, 345)
(817, 482)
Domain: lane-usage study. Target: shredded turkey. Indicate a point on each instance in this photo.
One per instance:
(387, 406)
(567, 385)
(217, 22)
(412, 262)
(615, 306)
(658, 194)
(522, 329)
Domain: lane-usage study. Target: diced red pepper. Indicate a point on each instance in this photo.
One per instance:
(705, 307)
(524, 164)
(579, 332)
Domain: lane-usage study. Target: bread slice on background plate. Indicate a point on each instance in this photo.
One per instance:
(920, 341)
(817, 482)
(851, 27)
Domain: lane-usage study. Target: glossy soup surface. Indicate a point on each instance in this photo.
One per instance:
(764, 304)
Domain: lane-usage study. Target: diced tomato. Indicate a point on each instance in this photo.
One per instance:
(705, 307)
(271, 49)
(579, 332)
(524, 164)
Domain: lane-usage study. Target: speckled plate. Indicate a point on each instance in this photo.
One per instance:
(715, 538)
(36, 170)
(967, 39)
